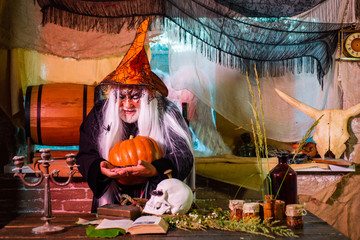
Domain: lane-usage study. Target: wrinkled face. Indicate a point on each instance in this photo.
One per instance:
(129, 103)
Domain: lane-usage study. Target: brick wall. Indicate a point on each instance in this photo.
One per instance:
(75, 197)
(16, 198)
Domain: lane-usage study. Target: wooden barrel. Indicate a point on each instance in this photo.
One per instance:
(54, 112)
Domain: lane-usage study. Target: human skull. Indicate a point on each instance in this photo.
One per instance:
(171, 196)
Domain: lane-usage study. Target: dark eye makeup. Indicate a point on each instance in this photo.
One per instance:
(135, 96)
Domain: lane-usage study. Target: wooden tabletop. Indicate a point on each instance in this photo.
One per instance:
(21, 228)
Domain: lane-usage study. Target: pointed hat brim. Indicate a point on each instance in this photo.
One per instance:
(134, 68)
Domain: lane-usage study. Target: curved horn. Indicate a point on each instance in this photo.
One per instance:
(310, 111)
(353, 111)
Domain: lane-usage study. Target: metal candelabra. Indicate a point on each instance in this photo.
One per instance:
(45, 175)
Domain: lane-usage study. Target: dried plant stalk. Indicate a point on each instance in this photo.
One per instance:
(301, 144)
(306, 137)
(259, 132)
(262, 112)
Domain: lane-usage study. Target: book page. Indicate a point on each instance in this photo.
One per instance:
(118, 223)
(149, 225)
(147, 220)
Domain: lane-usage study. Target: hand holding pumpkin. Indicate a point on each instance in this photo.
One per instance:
(107, 169)
(143, 169)
(134, 157)
(124, 175)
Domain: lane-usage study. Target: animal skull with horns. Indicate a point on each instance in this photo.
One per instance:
(331, 132)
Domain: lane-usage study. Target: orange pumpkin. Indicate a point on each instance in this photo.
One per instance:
(130, 151)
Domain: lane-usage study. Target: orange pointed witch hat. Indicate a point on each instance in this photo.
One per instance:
(134, 69)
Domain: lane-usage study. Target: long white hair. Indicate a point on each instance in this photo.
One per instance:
(156, 120)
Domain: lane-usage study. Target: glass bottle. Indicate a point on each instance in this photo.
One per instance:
(288, 189)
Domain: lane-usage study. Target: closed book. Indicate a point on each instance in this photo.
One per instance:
(102, 216)
(120, 211)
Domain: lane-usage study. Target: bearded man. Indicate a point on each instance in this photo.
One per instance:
(135, 104)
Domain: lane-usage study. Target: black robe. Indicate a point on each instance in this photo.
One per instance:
(89, 158)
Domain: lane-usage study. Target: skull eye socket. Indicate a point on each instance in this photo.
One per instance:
(157, 193)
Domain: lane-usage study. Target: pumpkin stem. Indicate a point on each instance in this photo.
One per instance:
(131, 137)
(168, 173)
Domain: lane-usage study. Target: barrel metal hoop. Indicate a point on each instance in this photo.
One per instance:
(38, 117)
(27, 111)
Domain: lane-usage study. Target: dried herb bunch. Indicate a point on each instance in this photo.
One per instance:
(259, 135)
(216, 218)
(300, 146)
(259, 132)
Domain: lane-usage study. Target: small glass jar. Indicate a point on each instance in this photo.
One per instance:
(236, 209)
(250, 211)
(294, 216)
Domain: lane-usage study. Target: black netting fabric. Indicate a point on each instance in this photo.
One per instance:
(270, 8)
(234, 33)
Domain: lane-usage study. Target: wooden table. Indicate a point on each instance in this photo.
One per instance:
(21, 228)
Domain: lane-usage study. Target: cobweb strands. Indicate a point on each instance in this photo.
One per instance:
(235, 34)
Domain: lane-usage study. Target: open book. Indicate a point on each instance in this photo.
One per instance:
(142, 225)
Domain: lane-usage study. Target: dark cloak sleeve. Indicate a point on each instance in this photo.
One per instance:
(179, 159)
(88, 156)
